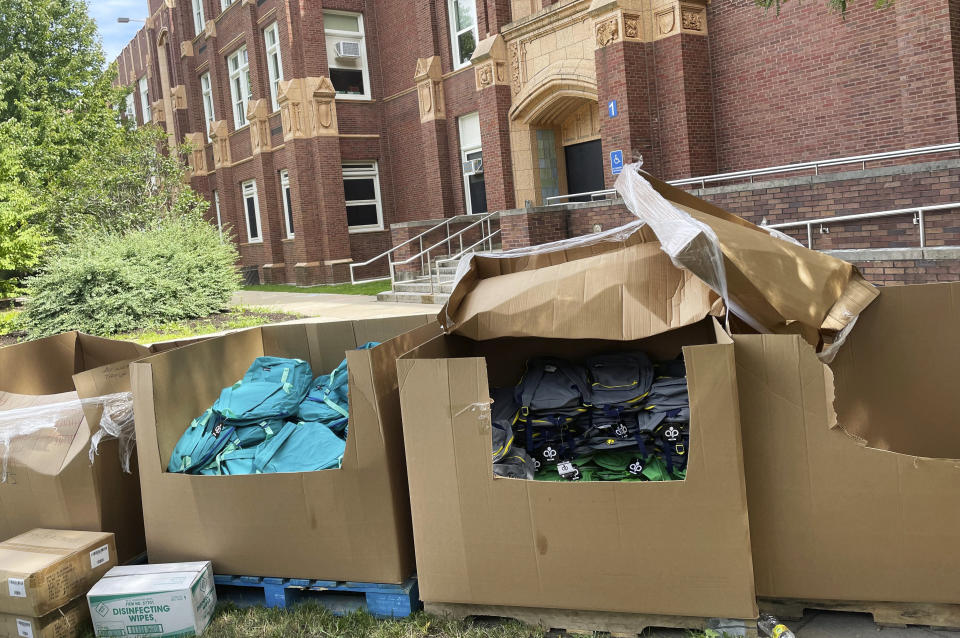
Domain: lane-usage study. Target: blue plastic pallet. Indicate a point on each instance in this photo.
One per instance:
(381, 600)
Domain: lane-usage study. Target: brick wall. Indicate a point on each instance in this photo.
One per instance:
(806, 84)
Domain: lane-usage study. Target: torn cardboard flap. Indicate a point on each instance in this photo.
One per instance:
(623, 290)
(776, 286)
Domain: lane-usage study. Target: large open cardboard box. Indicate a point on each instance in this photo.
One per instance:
(678, 548)
(50, 481)
(351, 523)
(832, 519)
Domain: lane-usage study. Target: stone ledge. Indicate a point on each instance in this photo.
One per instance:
(897, 254)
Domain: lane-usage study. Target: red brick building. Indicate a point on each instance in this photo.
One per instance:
(317, 125)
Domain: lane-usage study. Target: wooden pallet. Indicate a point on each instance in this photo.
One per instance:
(616, 624)
(933, 615)
(382, 600)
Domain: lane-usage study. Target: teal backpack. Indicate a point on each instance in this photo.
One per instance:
(328, 399)
(245, 414)
(296, 447)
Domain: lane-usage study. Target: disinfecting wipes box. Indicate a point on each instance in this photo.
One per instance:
(172, 599)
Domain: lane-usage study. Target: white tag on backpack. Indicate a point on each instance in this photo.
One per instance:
(99, 556)
(569, 471)
(24, 628)
(549, 368)
(17, 588)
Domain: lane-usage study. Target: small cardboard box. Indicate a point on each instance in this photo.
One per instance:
(49, 479)
(351, 523)
(172, 599)
(852, 475)
(680, 548)
(65, 622)
(45, 569)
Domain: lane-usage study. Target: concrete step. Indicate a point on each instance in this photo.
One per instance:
(413, 297)
(421, 287)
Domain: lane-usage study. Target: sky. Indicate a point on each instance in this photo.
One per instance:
(115, 36)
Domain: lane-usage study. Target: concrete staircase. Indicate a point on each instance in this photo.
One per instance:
(417, 290)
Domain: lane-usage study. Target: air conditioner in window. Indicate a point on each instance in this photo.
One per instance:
(473, 167)
(345, 49)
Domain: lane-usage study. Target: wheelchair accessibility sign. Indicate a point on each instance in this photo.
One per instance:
(616, 162)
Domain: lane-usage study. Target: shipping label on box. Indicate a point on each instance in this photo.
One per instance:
(173, 599)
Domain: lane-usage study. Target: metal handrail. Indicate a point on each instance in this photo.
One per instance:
(917, 211)
(445, 222)
(425, 254)
(785, 168)
(463, 252)
(816, 165)
(592, 194)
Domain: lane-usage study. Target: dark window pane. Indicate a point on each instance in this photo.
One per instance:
(358, 189)
(467, 45)
(347, 80)
(252, 218)
(478, 194)
(365, 215)
(286, 193)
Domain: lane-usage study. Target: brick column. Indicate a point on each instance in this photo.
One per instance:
(310, 133)
(685, 93)
(437, 186)
(493, 85)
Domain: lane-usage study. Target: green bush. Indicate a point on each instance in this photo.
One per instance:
(109, 282)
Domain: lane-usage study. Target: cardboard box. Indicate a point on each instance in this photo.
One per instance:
(833, 519)
(173, 599)
(65, 622)
(679, 548)
(45, 569)
(346, 524)
(50, 481)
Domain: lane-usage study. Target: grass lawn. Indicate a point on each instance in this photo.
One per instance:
(370, 288)
(314, 621)
(234, 319)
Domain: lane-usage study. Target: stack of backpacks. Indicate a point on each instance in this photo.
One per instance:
(277, 418)
(614, 417)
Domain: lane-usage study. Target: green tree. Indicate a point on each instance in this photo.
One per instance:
(132, 183)
(22, 238)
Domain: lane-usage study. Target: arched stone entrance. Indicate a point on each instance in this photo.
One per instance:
(554, 121)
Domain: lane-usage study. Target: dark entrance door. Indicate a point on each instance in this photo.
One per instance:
(584, 168)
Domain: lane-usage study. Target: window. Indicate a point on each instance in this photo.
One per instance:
(347, 54)
(463, 30)
(271, 38)
(145, 101)
(252, 209)
(471, 158)
(216, 207)
(198, 21)
(208, 114)
(239, 65)
(226, 3)
(361, 191)
(287, 204)
(129, 110)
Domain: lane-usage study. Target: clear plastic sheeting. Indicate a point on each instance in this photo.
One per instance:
(116, 422)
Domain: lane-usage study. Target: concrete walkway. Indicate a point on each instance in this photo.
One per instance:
(330, 306)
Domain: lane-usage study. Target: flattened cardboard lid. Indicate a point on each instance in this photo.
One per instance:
(621, 290)
(584, 286)
(781, 287)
